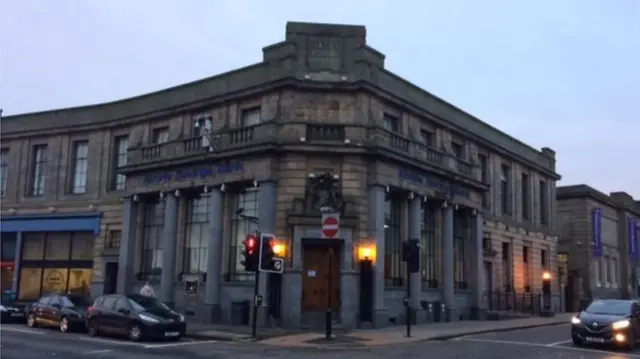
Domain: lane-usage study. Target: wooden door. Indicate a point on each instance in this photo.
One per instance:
(321, 276)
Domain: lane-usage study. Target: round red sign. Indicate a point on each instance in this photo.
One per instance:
(330, 227)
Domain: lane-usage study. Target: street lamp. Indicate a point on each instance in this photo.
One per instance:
(366, 256)
(546, 295)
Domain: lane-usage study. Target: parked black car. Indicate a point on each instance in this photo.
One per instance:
(11, 312)
(608, 321)
(136, 316)
(67, 312)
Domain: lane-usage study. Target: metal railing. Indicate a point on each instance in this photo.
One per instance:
(508, 301)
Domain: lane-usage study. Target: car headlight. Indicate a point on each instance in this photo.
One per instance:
(181, 318)
(147, 318)
(621, 324)
(575, 320)
(2, 308)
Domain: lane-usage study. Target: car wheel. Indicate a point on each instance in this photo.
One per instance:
(64, 325)
(92, 329)
(135, 333)
(31, 320)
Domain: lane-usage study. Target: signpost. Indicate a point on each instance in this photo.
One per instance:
(330, 225)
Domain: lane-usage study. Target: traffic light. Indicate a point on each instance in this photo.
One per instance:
(411, 255)
(270, 251)
(250, 253)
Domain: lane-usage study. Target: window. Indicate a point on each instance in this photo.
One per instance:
(39, 166)
(113, 239)
(427, 138)
(460, 238)
(393, 266)
(121, 145)
(458, 150)
(526, 271)
(507, 267)
(614, 272)
(160, 135)
(4, 171)
(543, 259)
(80, 167)
(244, 221)
(202, 124)
(251, 117)
(607, 264)
(505, 189)
(598, 271)
(526, 196)
(429, 245)
(196, 235)
(543, 203)
(152, 240)
(484, 177)
(391, 123)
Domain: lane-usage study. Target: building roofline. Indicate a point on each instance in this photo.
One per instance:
(620, 200)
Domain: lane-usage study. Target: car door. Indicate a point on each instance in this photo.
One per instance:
(53, 310)
(39, 310)
(122, 315)
(105, 314)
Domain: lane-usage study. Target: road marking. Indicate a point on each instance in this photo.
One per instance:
(21, 330)
(98, 351)
(559, 343)
(109, 341)
(578, 349)
(178, 344)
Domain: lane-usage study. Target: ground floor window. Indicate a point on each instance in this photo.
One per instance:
(429, 252)
(461, 232)
(394, 270)
(55, 262)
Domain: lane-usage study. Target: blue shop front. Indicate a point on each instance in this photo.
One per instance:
(49, 252)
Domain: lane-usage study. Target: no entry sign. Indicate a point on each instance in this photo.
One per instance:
(330, 225)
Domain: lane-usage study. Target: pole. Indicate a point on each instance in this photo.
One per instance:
(408, 303)
(254, 320)
(329, 316)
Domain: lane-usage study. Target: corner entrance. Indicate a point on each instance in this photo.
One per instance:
(321, 277)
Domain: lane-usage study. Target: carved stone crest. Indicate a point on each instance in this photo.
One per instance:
(324, 193)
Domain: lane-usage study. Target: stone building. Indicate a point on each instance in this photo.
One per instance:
(177, 179)
(598, 233)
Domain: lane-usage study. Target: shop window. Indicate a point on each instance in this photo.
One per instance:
(54, 280)
(33, 246)
(30, 283)
(80, 280)
(82, 246)
(57, 246)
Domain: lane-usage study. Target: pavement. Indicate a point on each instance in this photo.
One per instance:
(549, 342)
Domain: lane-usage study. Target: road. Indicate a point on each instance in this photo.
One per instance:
(20, 342)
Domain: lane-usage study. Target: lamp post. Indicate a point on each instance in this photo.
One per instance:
(546, 295)
(366, 256)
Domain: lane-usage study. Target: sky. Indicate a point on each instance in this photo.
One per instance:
(560, 74)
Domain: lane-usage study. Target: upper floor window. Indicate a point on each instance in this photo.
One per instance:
(391, 123)
(4, 171)
(427, 138)
(113, 239)
(526, 196)
(80, 166)
(484, 176)
(202, 124)
(505, 189)
(458, 149)
(251, 116)
(121, 145)
(160, 135)
(543, 203)
(38, 178)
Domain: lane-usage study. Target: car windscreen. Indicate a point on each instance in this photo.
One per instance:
(143, 303)
(75, 301)
(609, 307)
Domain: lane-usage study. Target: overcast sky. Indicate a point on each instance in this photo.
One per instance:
(563, 74)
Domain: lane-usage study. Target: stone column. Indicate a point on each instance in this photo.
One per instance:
(267, 194)
(376, 231)
(448, 293)
(128, 242)
(17, 259)
(414, 278)
(214, 257)
(479, 308)
(169, 243)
